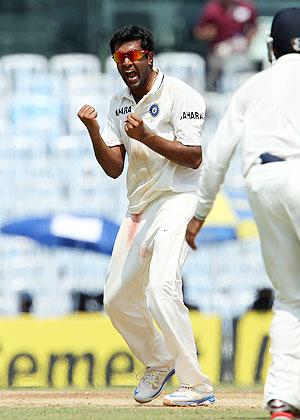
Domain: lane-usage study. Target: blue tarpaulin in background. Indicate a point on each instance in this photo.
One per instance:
(67, 230)
(230, 219)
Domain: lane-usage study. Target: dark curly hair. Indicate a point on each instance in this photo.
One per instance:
(132, 33)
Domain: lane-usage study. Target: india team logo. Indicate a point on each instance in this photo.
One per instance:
(154, 110)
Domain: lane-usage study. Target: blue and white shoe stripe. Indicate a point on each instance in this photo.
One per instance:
(210, 399)
(180, 400)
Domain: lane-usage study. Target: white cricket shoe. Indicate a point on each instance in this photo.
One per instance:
(151, 384)
(189, 396)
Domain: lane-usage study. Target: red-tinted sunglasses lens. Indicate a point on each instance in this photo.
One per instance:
(133, 55)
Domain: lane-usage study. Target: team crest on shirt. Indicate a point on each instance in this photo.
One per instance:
(154, 110)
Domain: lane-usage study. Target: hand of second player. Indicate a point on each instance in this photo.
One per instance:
(192, 231)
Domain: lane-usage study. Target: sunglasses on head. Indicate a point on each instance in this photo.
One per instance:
(133, 55)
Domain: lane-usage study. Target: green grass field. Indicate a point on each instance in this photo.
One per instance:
(93, 413)
(117, 404)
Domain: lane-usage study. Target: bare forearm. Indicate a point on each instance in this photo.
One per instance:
(111, 159)
(108, 158)
(189, 156)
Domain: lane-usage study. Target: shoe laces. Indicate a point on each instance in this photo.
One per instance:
(184, 388)
(151, 377)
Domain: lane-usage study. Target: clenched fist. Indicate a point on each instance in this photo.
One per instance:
(88, 116)
(134, 127)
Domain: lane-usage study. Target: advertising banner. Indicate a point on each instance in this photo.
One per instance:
(83, 351)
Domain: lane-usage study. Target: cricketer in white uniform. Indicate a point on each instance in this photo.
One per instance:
(264, 117)
(157, 121)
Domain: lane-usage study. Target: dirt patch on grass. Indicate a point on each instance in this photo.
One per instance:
(231, 398)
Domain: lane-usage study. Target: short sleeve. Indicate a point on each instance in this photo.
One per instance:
(188, 114)
(111, 133)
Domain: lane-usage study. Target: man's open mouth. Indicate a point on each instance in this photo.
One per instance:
(131, 76)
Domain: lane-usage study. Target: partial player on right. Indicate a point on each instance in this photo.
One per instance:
(264, 117)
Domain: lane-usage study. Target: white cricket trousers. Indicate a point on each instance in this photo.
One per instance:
(144, 284)
(274, 195)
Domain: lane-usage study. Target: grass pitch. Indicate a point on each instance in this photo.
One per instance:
(117, 404)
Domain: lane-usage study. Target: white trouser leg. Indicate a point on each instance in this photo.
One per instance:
(165, 288)
(283, 380)
(274, 196)
(125, 296)
(155, 255)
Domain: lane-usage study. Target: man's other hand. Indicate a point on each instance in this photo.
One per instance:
(192, 231)
(88, 116)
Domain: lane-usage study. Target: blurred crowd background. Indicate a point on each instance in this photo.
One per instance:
(54, 59)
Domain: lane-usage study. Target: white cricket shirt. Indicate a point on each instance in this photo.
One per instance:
(264, 116)
(174, 111)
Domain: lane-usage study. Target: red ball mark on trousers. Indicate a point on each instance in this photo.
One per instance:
(133, 228)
